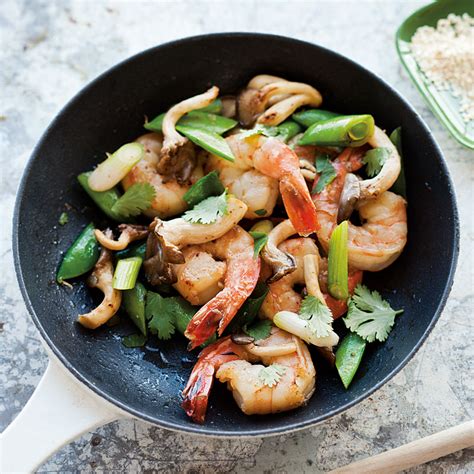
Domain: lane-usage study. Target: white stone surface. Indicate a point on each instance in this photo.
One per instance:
(49, 50)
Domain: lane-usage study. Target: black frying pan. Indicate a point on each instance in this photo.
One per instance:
(109, 112)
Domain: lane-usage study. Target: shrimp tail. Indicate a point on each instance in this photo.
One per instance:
(218, 312)
(197, 390)
(299, 205)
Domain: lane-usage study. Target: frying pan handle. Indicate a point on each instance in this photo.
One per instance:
(59, 410)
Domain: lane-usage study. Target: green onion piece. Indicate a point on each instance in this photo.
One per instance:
(104, 200)
(348, 357)
(211, 142)
(126, 273)
(311, 116)
(111, 171)
(209, 185)
(400, 185)
(348, 130)
(337, 262)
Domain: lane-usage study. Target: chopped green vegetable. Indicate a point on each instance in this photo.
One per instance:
(348, 357)
(126, 273)
(117, 165)
(311, 116)
(271, 375)
(260, 239)
(206, 122)
(264, 226)
(249, 310)
(156, 124)
(318, 315)
(133, 302)
(259, 129)
(326, 171)
(369, 315)
(261, 212)
(211, 142)
(134, 250)
(400, 185)
(374, 159)
(81, 256)
(63, 218)
(287, 130)
(183, 312)
(348, 130)
(209, 185)
(160, 315)
(104, 200)
(338, 262)
(135, 200)
(208, 211)
(134, 340)
(259, 330)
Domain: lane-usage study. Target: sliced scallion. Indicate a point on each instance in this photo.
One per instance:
(126, 273)
(338, 262)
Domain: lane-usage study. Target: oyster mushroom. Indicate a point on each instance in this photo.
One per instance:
(350, 195)
(178, 155)
(280, 262)
(281, 96)
(101, 278)
(128, 233)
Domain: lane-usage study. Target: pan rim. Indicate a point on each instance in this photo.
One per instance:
(207, 430)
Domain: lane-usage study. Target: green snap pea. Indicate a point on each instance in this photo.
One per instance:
(287, 130)
(400, 185)
(81, 256)
(135, 250)
(133, 302)
(348, 130)
(348, 357)
(310, 116)
(104, 199)
(207, 186)
(210, 141)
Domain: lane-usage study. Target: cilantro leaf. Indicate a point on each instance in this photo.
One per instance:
(260, 239)
(326, 171)
(260, 129)
(135, 200)
(369, 315)
(261, 212)
(160, 315)
(271, 375)
(207, 211)
(318, 315)
(134, 340)
(63, 218)
(259, 330)
(374, 159)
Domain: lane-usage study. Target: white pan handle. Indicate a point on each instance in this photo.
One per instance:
(59, 410)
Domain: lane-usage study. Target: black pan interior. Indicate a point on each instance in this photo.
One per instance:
(109, 112)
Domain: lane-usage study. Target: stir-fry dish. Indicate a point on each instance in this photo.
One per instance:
(245, 224)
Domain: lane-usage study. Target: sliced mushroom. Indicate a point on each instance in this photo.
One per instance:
(242, 339)
(128, 233)
(283, 97)
(308, 170)
(229, 106)
(160, 256)
(101, 278)
(178, 155)
(311, 272)
(350, 195)
(371, 188)
(280, 262)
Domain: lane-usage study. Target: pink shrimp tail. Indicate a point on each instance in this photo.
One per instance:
(299, 205)
(218, 312)
(197, 390)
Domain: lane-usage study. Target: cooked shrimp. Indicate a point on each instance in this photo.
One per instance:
(166, 238)
(168, 199)
(283, 297)
(276, 160)
(376, 243)
(258, 191)
(237, 249)
(232, 363)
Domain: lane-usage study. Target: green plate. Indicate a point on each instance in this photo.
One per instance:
(442, 103)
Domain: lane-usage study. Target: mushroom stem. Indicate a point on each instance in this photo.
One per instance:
(101, 278)
(311, 272)
(350, 195)
(128, 233)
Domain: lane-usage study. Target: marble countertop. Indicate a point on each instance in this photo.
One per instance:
(50, 49)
